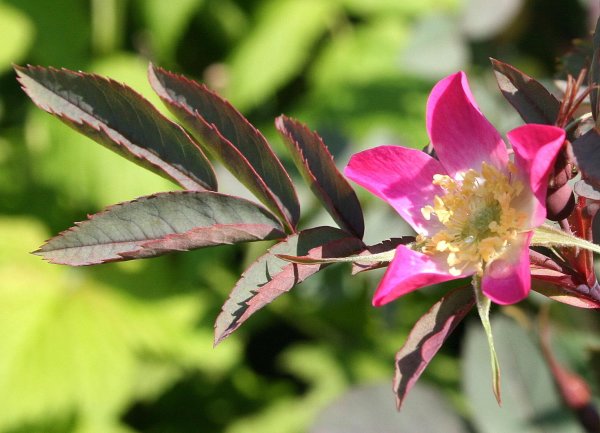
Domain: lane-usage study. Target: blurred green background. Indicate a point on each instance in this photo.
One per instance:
(128, 347)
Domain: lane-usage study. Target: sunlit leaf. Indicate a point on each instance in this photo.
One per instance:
(318, 169)
(405, 8)
(166, 22)
(160, 223)
(534, 103)
(17, 29)
(427, 337)
(269, 276)
(275, 50)
(117, 117)
(229, 136)
(53, 21)
(81, 342)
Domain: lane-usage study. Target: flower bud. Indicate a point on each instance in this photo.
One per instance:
(560, 203)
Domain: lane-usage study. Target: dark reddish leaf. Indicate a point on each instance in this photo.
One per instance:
(563, 285)
(269, 277)
(117, 117)
(316, 166)
(558, 293)
(427, 337)
(587, 152)
(534, 103)
(158, 224)
(222, 130)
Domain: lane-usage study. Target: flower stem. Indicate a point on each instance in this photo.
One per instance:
(483, 308)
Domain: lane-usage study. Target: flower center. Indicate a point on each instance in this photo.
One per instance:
(477, 215)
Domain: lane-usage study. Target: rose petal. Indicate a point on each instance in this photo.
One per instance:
(409, 271)
(507, 280)
(461, 135)
(536, 148)
(400, 176)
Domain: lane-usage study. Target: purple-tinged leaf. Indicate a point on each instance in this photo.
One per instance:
(223, 131)
(534, 103)
(316, 166)
(117, 117)
(161, 223)
(550, 279)
(427, 337)
(269, 276)
(587, 153)
(559, 294)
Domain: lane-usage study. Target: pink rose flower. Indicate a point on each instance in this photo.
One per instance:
(473, 209)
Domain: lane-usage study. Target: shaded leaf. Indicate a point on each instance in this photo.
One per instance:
(534, 103)
(427, 337)
(483, 19)
(587, 153)
(318, 169)
(269, 276)
(435, 35)
(369, 409)
(532, 403)
(117, 117)
(230, 137)
(160, 223)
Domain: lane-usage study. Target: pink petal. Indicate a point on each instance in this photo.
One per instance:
(507, 280)
(461, 135)
(536, 148)
(400, 176)
(409, 271)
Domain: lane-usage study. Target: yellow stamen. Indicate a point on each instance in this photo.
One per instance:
(478, 217)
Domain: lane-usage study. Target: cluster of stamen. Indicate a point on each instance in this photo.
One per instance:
(478, 217)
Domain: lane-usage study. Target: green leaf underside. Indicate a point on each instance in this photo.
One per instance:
(549, 236)
(227, 134)
(315, 164)
(387, 245)
(269, 276)
(384, 257)
(533, 102)
(117, 117)
(427, 337)
(161, 223)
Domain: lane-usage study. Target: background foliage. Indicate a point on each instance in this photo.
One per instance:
(127, 347)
